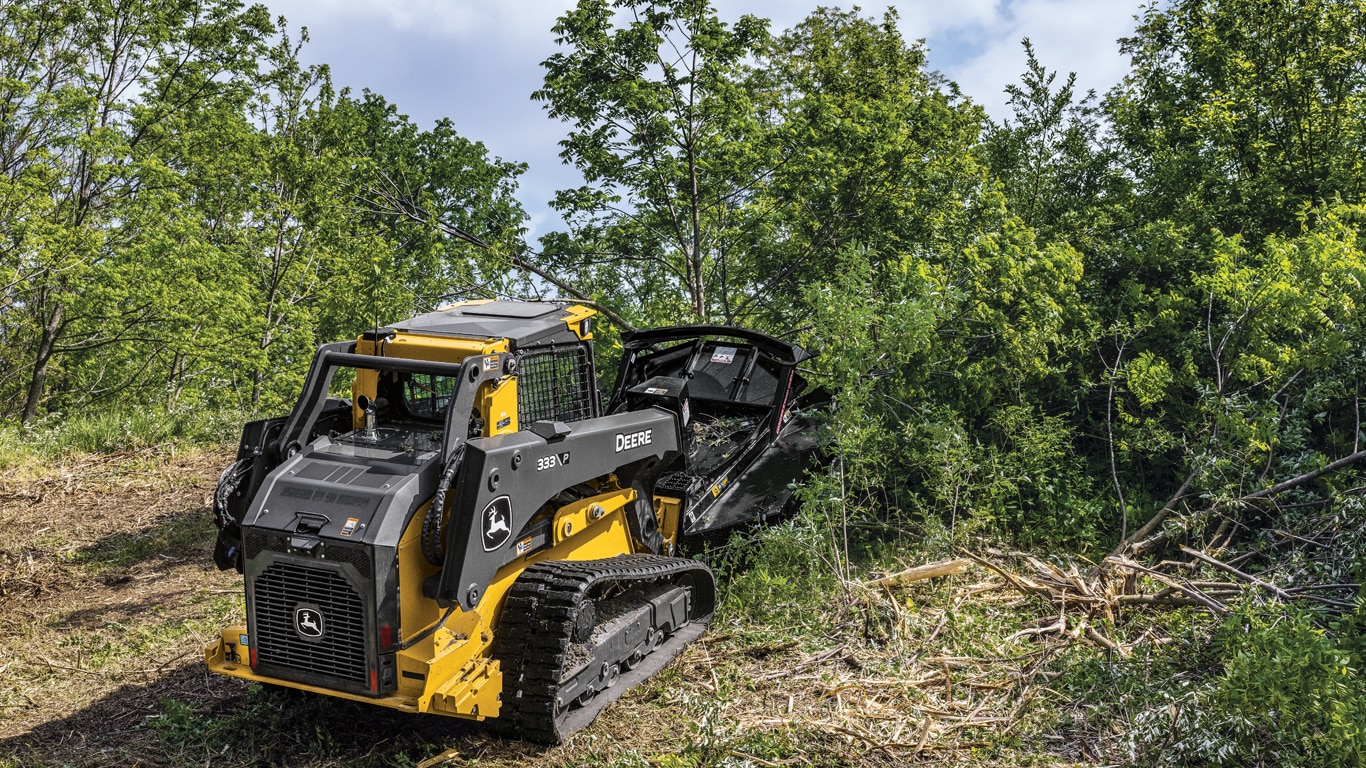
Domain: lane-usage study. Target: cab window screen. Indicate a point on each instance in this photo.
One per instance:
(555, 383)
(426, 395)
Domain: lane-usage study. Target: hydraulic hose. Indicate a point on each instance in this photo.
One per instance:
(434, 524)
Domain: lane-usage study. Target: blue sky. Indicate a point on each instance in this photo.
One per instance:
(477, 61)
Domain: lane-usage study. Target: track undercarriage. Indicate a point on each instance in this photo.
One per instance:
(575, 635)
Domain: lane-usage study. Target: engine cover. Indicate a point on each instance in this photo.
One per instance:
(320, 545)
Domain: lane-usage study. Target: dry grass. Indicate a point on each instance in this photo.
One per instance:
(100, 560)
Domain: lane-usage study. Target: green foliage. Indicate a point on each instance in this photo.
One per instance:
(875, 153)
(115, 431)
(725, 166)
(968, 349)
(190, 212)
(86, 112)
(771, 580)
(1236, 115)
(670, 146)
(1290, 691)
(1055, 171)
(1281, 688)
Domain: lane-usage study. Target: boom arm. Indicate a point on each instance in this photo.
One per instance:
(505, 480)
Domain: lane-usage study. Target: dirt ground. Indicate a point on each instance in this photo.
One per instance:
(98, 561)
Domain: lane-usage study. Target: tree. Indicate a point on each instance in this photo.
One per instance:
(1235, 115)
(90, 86)
(188, 210)
(1058, 175)
(667, 140)
(412, 187)
(872, 150)
(324, 239)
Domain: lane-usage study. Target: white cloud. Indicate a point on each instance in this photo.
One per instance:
(1068, 35)
(535, 220)
(919, 18)
(464, 20)
(926, 18)
(976, 43)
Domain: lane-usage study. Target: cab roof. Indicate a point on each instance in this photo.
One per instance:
(523, 323)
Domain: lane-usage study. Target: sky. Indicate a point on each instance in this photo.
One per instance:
(477, 61)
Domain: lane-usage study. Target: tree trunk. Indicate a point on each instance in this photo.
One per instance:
(47, 342)
(176, 382)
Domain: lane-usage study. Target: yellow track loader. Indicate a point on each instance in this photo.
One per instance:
(450, 521)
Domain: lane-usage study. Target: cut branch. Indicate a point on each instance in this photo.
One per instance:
(1137, 544)
(1158, 518)
(920, 573)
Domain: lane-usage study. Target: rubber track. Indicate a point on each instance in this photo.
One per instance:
(538, 620)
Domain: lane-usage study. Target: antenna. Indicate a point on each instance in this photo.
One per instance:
(374, 305)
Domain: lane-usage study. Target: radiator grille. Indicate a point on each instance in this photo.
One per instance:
(340, 652)
(555, 384)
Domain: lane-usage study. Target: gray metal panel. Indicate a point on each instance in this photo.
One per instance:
(314, 483)
(520, 309)
(524, 324)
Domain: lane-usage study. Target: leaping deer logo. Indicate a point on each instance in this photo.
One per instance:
(497, 523)
(308, 622)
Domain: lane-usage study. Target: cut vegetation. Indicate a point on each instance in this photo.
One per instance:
(990, 658)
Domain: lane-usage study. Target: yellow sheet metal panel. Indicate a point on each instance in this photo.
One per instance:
(576, 519)
(366, 383)
(670, 513)
(497, 403)
(416, 612)
(577, 314)
(442, 349)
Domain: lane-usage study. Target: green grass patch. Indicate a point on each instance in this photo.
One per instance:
(114, 431)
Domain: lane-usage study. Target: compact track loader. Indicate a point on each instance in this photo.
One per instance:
(466, 533)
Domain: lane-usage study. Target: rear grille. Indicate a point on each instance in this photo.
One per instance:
(258, 542)
(340, 652)
(555, 384)
(357, 557)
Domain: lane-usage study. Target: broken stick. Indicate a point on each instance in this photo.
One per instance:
(920, 573)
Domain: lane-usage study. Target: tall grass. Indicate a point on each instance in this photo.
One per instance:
(114, 431)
